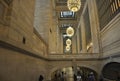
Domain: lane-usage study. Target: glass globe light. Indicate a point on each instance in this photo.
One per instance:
(67, 48)
(70, 31)
(68, 42)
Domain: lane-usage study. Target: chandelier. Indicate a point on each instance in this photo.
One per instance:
(68, 42)
(70, 31)
(74, 5)
(67, 48)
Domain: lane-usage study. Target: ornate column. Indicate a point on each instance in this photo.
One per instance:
(58, 40)
(74, 66)
(83, 35)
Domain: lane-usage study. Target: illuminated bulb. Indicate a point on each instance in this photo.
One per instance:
(70, 31)
(87, 47)
(67, 48)
(68, 42)
(91, 44)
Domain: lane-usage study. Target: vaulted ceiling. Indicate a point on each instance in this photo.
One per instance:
(54, 13)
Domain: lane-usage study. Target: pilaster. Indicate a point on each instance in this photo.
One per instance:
(94, 24)
(74, 44)
(83, 35)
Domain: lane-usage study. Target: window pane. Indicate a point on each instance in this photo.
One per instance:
(67, 14)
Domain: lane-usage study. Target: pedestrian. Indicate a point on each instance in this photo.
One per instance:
(91, 77)
(41, 78)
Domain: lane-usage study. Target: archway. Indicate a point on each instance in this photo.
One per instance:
(69, 74)
(111, 71)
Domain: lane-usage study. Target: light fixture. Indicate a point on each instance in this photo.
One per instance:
(67, 48)
(74, 5)
(70, 31)
(90, 45)
(68, 42)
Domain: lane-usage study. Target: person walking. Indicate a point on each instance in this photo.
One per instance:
(91, 77)
(41, 78)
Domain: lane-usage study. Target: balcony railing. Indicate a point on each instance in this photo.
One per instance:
(107, 10)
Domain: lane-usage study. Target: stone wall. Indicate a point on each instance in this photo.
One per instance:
(19, 31)
(110, 38)
(15, 66)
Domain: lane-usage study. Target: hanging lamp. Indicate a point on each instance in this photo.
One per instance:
(70, 31)
(74, 5)
(68, 42)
